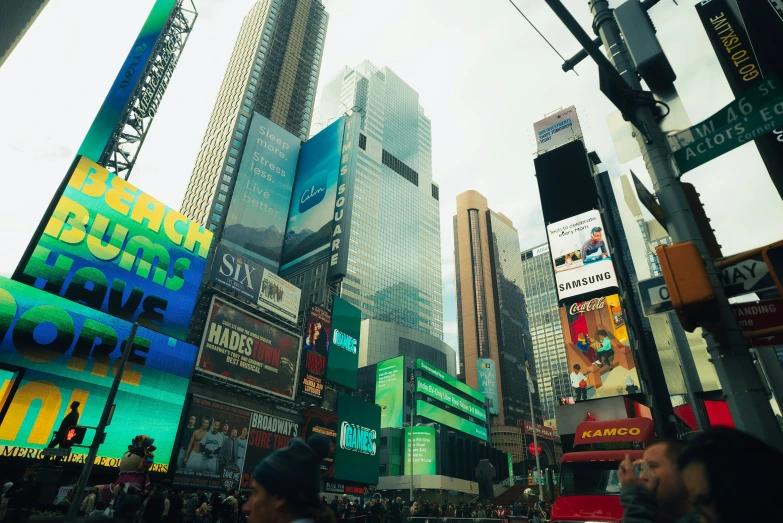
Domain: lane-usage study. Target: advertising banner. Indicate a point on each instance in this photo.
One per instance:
(600, 359)
(439, 415)
(316, 349)
(212, 445)
(279, 296)
(488, 382)
(557, 129)
(100, 132)
(439, 393)
(343, 363)
(510, 471)
(580, 255)
(422, 445)
(343, 205)
(116, 249)
(389, 390)
(267, 434)
(240, 347)
(323, 422)
(448, 380)
(257, 214)
(70, 352)
(309, 228)
(236, 272)
(357, 457)
(542, 431)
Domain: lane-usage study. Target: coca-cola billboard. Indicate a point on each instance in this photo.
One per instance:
(600, 357)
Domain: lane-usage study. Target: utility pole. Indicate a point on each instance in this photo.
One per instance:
(535, 443)
(742, 387)
(100, 435)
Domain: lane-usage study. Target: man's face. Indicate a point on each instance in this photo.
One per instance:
(694, 477)
(192, 421)
(671, 489)
(233, 433)
(244, 433)
(262, 507)
(595, 237)
(204, 424)
(225, 427)
(215, 427)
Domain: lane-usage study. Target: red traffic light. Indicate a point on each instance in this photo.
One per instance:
(75, 435)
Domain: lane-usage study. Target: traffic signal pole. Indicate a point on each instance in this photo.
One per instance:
(728, 348)
(100, 435)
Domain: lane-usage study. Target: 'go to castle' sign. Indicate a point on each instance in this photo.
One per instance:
(757, 113)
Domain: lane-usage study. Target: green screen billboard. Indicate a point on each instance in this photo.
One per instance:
(510, 471)
(448, 380)
(389, 390)
(357, 456)
(343, 363)
(422, 445)
(425, 386)
(439, 415)
(488, 382)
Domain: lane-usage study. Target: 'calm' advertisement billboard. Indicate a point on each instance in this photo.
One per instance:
(357, 456)
(343, 364)
(309, 229)
(256, 219)
(63, 352)
(389, 391)
(115, 248)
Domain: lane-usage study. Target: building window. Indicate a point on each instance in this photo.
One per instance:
(224, 187)
(221, 197)
(232, 160)
(219, 207)
(477, 262)
(229, 169)
(215, 217)
(212, 227)
(362, 142)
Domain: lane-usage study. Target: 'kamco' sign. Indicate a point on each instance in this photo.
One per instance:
(637, 430)
(622, 431)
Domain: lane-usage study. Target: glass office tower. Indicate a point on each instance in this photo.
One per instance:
(538, 284)
(273, 71)
(394, 272)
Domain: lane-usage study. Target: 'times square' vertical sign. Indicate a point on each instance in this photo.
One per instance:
(115, 248)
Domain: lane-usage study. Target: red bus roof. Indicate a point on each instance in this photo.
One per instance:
(601, 455)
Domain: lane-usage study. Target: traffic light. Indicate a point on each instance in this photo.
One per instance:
(702, 221)
(689, 286)
(74, 436)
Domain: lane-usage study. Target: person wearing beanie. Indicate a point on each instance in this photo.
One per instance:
(287, 484)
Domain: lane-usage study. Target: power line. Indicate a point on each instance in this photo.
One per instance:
(539, 32)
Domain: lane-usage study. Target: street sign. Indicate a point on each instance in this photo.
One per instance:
(649, 201)
(654, 295)
(759, 315)
(758, 112)
(750, 275)
(56, 453)
(773, 257)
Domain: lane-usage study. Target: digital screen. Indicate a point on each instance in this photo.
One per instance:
(309, 228)
(343, 363)
(244, 348)
(581, 255)
(448, 380)
(71, 353)
(450, 420)
(323, 422)
(116, 249)
(316, 350)
(257, 214)
(601, 363)
(357, 457)
(439, 393)
(389, 390)
(488, 382)
(422, 446)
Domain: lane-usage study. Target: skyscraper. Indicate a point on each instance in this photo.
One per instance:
(273, 71)
(538, 284)
(16, 17)
(393, 273)
(491, 310)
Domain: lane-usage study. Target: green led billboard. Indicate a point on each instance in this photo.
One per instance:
(343, 363)
(450, 420)
(358, 453)
(473, 393)
(389, 390)
(510, 471)
(423, 449)
(488, 382)
(439, 393)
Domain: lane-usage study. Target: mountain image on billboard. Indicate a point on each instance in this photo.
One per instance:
(309, 228)
(389, 391)
(600, 360)
(257, 215)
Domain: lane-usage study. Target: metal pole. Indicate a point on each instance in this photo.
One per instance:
(535, 445)
(76, 498)
(410, 444)
(745, 395)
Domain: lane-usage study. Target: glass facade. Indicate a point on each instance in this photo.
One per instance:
(394, 272)
(477, 266)
(273, 70)
(538, 283)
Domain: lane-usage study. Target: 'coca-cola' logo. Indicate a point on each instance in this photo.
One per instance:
(587, 306)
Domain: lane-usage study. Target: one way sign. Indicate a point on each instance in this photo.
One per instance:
(751, 275)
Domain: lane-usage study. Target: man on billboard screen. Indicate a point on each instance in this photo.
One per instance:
(580, 255)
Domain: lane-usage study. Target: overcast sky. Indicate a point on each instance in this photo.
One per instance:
(483, 75)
